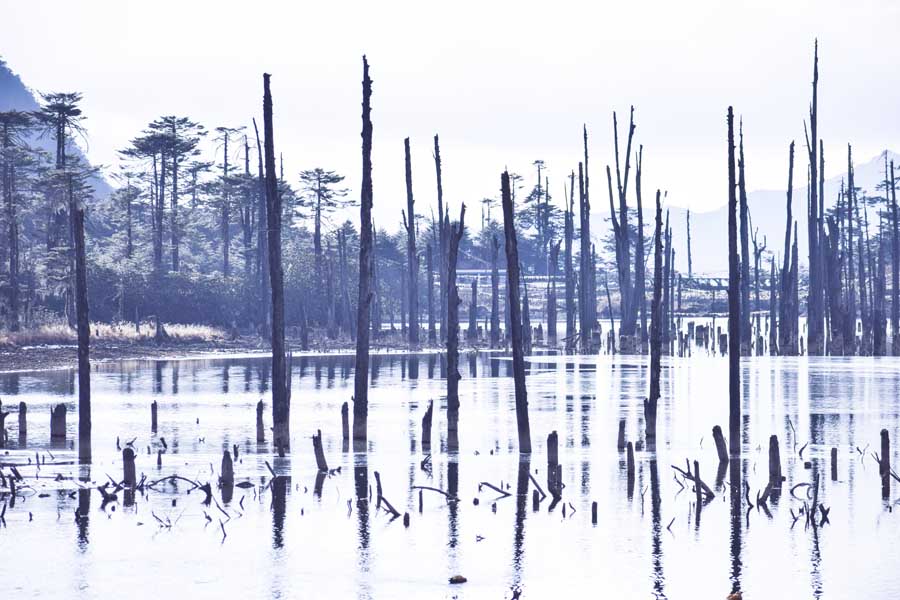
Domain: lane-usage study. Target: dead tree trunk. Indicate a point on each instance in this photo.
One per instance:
(262, 242)
(442, 239)
(569, 267)
(495, 293)
(429, 265)
(690, 259)
(640, 285)
(734, 276)
(585, 258)
(623, 245)
(850, 345)
(745, 325)
(412, 260)
(650, 405)
(454, 301)
(667, 272)
(773, 295)
(895, 269)
(280, 400)
(815, 314)
(361, 375)
(515, 320)
(551, 296)
(526, 320)
(787, 345)
(84, 335)
(472, 333)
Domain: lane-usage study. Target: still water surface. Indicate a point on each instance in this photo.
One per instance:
(286, 541)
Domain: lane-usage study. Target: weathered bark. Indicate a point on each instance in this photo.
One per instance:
(895, 269)
(585, 259)
(412, 259)
(280, 397)
(515, 321)
(429, 264)
(495, 293)
(815, 313)
(84, 334)
(361, 374)
(454, 301)
(640, 285)
(734, 346)
(442, 239)
(746, 329)
(786, 342)
(569, 267)
(551, 296)
(472, 333)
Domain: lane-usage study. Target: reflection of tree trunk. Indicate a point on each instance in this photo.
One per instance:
(656, 531)
(521, 513)
(736, 515)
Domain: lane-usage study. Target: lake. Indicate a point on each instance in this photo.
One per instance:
(286, 540)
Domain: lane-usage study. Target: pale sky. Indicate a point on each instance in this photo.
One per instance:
(503, 83)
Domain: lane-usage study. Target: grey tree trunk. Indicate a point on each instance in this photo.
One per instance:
(495, 293)
(734, 307)
(412, 260)
(650, 405)
(84, 335)
(454, 301)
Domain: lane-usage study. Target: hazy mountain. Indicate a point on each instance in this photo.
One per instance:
(709, 230)
(14, 95)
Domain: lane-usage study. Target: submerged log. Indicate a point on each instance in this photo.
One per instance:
(227, 474)
(629, 465)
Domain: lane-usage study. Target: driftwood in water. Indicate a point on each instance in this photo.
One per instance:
(226, 478)
(319, 452)
(620, 438)
(515, 320)
(361, 373)
(629, 466)
(426, 427)
(380, 499)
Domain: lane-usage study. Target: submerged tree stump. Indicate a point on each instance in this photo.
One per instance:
(58, 422)
(345, 425)
(884, 466)
(128, 467)
(834, 464)
(260, 429)
(775, 477)
(153, 421)
(426, 427)
(227, 476)
(721, 448)
(553, 483)
(629, 465)
(23, 425)
(319, 451)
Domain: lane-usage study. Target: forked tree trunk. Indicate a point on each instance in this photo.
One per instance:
(515, 318)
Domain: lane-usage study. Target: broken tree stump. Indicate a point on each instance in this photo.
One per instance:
(130, 478)
(345, 423)
(58, 422)
(320, 453)
(884, 466)
(227, 475)
(260, 429)
(23, 425)
(721, 448)
(153, 421)
(775, 477)
(834, 464)
(426, 427)
(629, 462)
(553, 484)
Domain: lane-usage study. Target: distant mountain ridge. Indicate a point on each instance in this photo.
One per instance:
(15, 95)
(709, 230)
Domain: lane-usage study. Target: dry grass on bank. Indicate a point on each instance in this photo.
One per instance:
(122, 333)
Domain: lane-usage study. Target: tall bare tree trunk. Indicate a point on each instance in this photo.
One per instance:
(746, 329)
(442, 238)
(787, 345)
(429, 264)
(551, 296)
(281, 408)
(585, 257)
(640, 287)
(515, 317)
(495, 293)
(734, 307)
(361, 375)
(650, 405)
(454, 301)
(84, 336)
(412, 260)
(815, 315)
(569, 267)
(895, 269)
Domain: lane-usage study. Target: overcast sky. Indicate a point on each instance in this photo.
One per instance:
(502, 83)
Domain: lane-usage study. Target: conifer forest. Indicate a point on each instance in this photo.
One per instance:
(449, 301)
